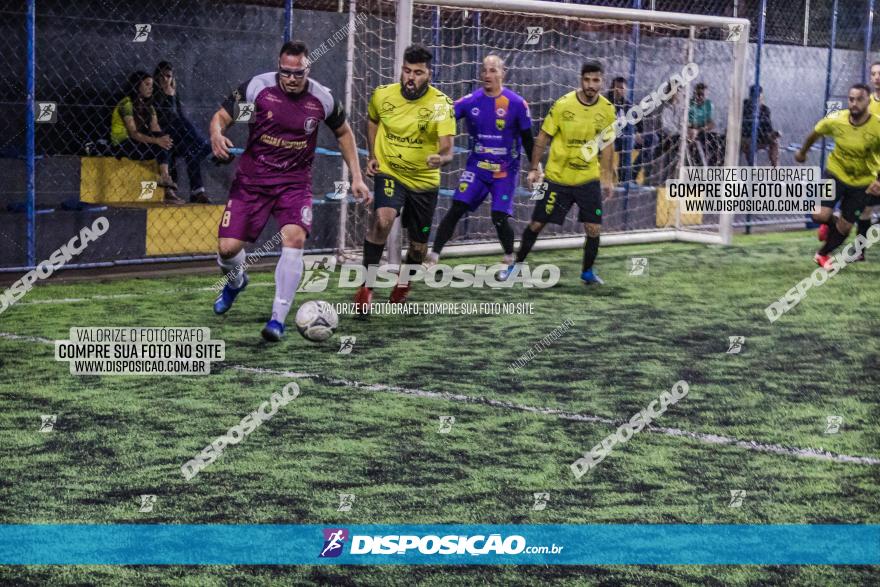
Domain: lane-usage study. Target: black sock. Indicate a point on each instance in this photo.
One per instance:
(864, 226)
(504, 230)
(591, 251)
(835, 239)
(372, 253)
(528, 241)
(447, 225)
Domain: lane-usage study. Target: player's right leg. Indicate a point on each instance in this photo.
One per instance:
(387, 202)
(824, 215)
(551, 207)
(418, 212)
(243, 220)
(472, 190)
(230, 257)
(589, 200)
(503, 190)
(852, 202)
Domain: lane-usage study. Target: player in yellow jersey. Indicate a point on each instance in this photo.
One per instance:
(854, 165)
(410, 134)
(574, 119)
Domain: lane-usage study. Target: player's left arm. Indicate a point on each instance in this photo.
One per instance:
(446, 134)
(443, 154)
(525, 135)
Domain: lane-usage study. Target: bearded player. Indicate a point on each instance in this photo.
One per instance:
(573, 121)
(499, 125)
(274, 176)
(411, 127)
(853, 165)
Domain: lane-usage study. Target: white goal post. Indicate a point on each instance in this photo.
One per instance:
(453, 30)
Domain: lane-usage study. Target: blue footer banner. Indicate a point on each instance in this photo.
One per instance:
(602, 544)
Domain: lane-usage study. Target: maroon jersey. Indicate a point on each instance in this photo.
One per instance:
(283, 129)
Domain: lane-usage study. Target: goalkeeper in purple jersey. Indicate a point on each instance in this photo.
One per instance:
(499, 125)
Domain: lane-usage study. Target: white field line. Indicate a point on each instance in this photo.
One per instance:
(806, 453)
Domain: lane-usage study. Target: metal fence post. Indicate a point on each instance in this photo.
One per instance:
(30, 139)
(828, 73)
(626, 162)
(288, 20)
(869, 31)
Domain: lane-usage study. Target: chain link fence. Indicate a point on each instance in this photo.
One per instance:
(93, 57)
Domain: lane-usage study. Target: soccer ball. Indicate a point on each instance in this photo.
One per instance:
(316, 321)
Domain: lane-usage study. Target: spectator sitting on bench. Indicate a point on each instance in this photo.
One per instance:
(701, 126)
(188, 142)
(767, 137)
(135, 131)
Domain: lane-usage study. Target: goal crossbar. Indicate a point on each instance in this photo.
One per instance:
(593, 12)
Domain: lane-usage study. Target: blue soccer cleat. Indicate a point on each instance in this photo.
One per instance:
(511, 271)
(273, 331)
(228, 295)
(588, 277)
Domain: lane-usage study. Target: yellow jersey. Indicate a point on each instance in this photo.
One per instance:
(118, 130)
(874, 106)
(409, 131)
(855, 159)
(572, 123)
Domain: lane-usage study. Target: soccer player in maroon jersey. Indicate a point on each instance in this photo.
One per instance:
(274, 175)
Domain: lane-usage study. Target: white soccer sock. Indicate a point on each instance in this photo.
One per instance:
(231, 270)
(288, 272)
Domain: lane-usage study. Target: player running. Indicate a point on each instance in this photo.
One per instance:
(854, 164)
(274, 176)
(498, 122)
(410, 132)
(573, 120)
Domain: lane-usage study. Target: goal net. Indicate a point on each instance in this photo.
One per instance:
(544, 45)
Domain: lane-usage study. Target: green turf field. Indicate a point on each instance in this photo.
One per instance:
(368, 423)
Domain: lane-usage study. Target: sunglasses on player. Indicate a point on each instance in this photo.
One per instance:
(293, 73)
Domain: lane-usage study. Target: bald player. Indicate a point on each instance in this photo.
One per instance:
(499, 125)
(854, 165)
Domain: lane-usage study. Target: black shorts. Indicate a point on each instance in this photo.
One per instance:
(418, 207)
(556, 200)
(852, 199)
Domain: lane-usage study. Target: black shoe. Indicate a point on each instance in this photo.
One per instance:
(171, 197)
